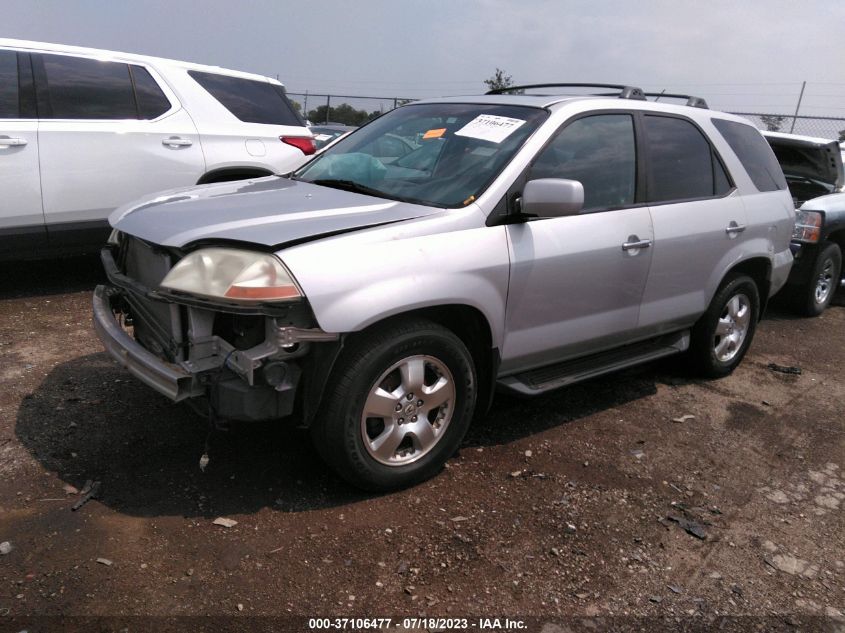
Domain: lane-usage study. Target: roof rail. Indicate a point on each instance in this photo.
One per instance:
(693, 102)
(624, 92)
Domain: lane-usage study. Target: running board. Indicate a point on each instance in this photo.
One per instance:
(543, 379)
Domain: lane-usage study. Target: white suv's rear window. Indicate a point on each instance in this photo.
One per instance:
(250, 101)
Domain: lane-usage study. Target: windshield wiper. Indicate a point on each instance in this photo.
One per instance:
(351, 185)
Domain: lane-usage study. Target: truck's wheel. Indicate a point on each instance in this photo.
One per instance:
(398, 405)
(724, 332)
(814, 298)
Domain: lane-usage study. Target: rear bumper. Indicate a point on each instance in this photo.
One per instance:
(167, 378)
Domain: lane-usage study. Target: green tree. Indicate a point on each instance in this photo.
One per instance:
(773, 122)
(343, 113)
(842, 136)
(498, 80)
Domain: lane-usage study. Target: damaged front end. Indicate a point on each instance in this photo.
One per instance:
(244, 362)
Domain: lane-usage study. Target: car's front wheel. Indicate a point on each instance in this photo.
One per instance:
(815, 297)
(723, 334)
(398, 405)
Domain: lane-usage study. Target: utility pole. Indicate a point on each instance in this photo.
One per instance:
(798, 105)
(305, 105)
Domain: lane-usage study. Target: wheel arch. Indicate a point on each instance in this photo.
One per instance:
(468, 323)
(838, 238)
(760, 270)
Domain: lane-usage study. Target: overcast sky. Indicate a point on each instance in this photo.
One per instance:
(746, 56)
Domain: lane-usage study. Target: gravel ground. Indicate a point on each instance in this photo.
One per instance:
(644, 494)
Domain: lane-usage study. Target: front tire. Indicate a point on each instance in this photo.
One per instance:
(816, 296)
(723, 334)
(398, 405)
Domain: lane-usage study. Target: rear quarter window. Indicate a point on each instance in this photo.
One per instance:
(152, 102)
(249, 100)
(754, 153)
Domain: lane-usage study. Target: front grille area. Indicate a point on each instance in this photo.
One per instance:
(157, 325)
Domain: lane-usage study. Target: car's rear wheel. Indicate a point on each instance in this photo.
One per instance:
(816, 296)
(723, 334)
(399, 403)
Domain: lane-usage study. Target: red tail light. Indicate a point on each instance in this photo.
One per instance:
(304, 143)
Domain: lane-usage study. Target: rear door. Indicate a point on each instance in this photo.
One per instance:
(21, 217)
(108, 134)
(698, 220)
(576, 282)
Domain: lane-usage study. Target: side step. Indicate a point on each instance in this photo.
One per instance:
(537, 381)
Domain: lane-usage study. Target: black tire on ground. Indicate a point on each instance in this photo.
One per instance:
(716, 347)
(340, 430)
(814, 298)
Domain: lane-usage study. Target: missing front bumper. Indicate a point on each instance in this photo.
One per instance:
(169, 379)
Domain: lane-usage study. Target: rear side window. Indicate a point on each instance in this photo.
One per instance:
(82, 88)
(597, 151)
(754, 153)
(250, 101)
(151, 100)
(681, 161)
(9, 98)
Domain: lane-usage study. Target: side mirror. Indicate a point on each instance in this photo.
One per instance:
(552, 197)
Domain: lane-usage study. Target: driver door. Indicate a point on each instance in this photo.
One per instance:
(577, 282)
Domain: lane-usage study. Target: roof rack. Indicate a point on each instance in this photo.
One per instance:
(624, 92)
(693, 102)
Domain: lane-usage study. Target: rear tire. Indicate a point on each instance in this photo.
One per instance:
(723, 334)
(397, 406)
(816, 296)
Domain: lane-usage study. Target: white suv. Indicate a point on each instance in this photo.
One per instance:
(83, 131)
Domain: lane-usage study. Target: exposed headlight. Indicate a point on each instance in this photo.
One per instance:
(227, 273)
(808, 226)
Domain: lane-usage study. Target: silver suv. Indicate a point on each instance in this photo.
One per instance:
(526, 242)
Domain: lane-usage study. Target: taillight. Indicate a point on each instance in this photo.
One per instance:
(304, 143)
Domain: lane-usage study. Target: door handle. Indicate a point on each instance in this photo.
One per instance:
(733, 228)
(12, 142)
(175, 141)
(633, 245)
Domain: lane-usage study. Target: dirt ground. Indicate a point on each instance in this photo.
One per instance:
(587, 505)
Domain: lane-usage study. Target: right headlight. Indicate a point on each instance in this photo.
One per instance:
(234, 275)
(808, 226)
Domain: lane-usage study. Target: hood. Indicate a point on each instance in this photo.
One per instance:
(812, 166)
(271, 211)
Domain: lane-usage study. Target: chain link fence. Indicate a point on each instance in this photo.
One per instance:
(352, 110)
(358, 109)
(818, 126)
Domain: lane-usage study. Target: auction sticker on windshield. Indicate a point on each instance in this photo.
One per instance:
(489, 127)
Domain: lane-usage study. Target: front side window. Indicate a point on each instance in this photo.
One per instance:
(680, 160)
(82, 88)
(9, 99)
(599, 152)
(249, 100)
(440, 154)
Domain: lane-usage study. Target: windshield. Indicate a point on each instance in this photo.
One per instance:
(442, 155)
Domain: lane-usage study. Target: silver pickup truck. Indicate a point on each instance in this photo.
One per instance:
(524, 242)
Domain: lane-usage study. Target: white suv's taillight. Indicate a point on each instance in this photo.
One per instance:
(304, 143)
